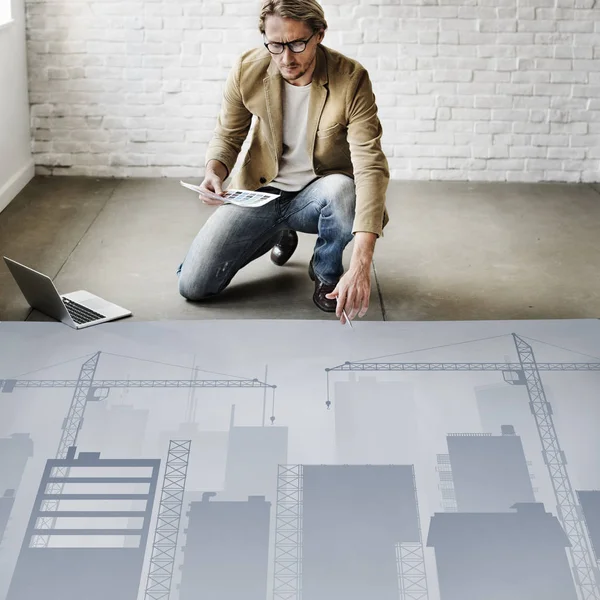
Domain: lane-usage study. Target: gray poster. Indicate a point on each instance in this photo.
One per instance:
(289, 460)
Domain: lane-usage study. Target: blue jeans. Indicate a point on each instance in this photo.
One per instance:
(234, 236)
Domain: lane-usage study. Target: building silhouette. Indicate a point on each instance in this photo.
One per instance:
(6, 503)
(500, 403)
(489, 472)
(206, 472)
(590, 506)
(375, 421)
(226, 550)
(15, 451)
(117, 431)
(353, 517)
(518, 555)
(253, 457)
(78, 550)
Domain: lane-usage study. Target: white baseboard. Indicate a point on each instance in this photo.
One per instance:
(16, 183)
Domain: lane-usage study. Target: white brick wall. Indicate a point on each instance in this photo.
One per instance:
(493, 90)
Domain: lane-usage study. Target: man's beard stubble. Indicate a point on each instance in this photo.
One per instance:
(300, 73)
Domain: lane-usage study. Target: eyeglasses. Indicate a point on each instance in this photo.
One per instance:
(297, 46)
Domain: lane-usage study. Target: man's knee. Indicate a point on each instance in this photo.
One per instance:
(341, 201)
(190, 291)
(341, 187)
(201, 280)
(195, 289)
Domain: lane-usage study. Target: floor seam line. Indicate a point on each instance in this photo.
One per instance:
(379, 293)
(88, 228)
(79, 242)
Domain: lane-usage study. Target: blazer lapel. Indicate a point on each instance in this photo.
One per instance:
(273, 84)
(318, 96)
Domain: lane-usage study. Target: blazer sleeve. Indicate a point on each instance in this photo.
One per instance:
(233, 123)
(370, 166)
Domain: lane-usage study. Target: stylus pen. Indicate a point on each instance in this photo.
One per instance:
(347, 319)
(345, 314)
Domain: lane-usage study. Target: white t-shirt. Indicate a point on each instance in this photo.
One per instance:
(295, 167)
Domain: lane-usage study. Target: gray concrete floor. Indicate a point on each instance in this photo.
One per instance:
(452, 251)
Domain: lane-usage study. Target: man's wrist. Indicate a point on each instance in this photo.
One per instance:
(364, 247)
(216, 167)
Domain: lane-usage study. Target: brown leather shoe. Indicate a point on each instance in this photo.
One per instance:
(284, 247)
(321, 290)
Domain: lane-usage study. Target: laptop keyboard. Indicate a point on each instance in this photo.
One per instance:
(80, 314)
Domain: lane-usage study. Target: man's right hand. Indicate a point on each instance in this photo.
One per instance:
(213, 182)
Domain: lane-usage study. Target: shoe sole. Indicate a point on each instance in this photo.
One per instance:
(281, 264)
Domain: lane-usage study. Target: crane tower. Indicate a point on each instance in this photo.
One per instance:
(527, 373)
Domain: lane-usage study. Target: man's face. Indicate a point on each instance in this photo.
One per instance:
(292, 66)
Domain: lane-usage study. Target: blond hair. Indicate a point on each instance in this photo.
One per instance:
(308, 11)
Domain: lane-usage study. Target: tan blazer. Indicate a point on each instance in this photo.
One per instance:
(344, 132)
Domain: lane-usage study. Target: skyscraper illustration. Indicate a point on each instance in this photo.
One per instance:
(6, 503)
(489, 472)
(74, 546)
(375, 421)
(353, 517)
(206, 472)
(590, 506)
(15, 451)
(253, 456)
(501, 404)
(226, 550)
(498, 404)
(116, 430)
(517, 555)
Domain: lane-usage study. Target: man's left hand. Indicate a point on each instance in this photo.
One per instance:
(353, 293)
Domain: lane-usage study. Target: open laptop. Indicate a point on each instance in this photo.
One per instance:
(78, 309)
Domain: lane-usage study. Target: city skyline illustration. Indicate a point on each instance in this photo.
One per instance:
(413, 461)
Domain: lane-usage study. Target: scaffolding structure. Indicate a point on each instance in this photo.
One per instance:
(446, 486)
(410, 562)
(164, 548)
(412, 576)
(287, 583)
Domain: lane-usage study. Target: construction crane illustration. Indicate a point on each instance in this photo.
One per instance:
(88, 389)
(527, 373)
